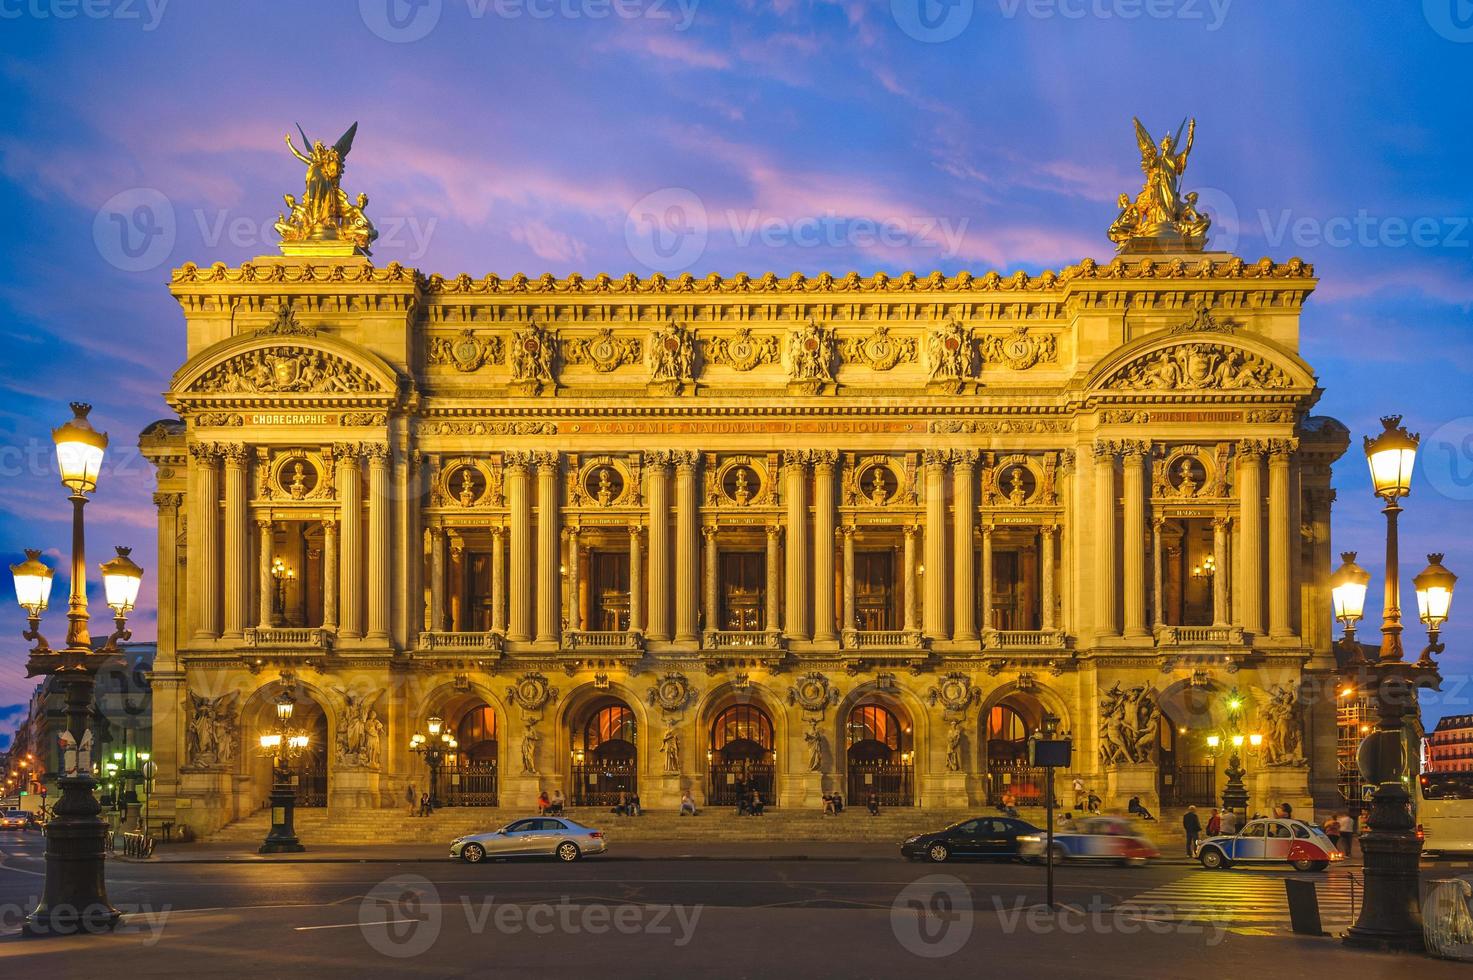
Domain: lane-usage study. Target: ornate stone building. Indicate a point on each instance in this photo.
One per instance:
(804, 533)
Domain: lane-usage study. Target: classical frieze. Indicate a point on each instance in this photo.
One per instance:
(880, 350)
(302, 370)
(742, 351)
(1019, 350)
(604, 351)
(1199, 366)
(466, 351)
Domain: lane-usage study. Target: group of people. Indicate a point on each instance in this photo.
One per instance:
(1085, 799)
(833, 804)
(550, 806)
(419, 803)
(628, 806)
(749, 801)
(1340, 828)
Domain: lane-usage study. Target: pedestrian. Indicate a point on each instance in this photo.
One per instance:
(1288, 810)
(410, 797)
(424, 804)
(1192, 824)
(1078, 793)
(1094, 802)
(1214, 823)
(1331, 827)
(1229, 823)
(687, 805)
(543, 803)
(874, 805)
(1347, 834)
(756, 803)
(557, 804)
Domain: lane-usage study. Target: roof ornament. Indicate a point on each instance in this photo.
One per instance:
(1161, 218)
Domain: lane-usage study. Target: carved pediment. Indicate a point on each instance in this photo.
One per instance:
(1199, 366)
(285, 369)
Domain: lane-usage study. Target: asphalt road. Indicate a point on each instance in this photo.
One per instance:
(613, 917)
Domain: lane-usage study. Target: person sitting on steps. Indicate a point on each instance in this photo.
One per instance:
(687, 805)
(874, 804)
(1137, 809)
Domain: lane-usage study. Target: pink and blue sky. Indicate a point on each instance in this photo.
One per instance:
(793, 135)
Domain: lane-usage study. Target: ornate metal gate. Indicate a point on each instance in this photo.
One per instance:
(726, 777)
(1027, 785)
(600, 783)
(892, 781)
(471, 784)
(1194, 785)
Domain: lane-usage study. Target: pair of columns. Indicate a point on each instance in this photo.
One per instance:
(1124, 613)
(220, 545)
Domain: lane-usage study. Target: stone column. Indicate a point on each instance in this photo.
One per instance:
(437, 579)
(1250, 531)
(909, 598)
(850, 622)
(1281, 579)
(330, 574)
(350, 556)
(237, 542)
(796, 618)
(520, 594)
(963, 517)
(167, 574)
(498, 580)
(1134, 544)
(987, 578)
(657, 465)
(380, 506)
(636, 578)
(575, 604)
(1157, 619)
(711, 603)
(771, 603)
(204, 568)
(1220, 576)
(824, 461)
(267, 582)
(1046, 619)
(1105, 585)
(549, 581)
(687, 548)
(934, 590)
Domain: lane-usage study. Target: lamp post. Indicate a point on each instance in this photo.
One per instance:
(283, 744)
(75, 896)
(1235, 794)
(433, 745)
(1391, 917)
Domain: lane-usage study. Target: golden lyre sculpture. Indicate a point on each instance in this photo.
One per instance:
(1161, 218)
(325, 221)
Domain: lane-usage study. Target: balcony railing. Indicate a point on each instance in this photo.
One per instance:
(742, 639)
(1168, 636)
(289, 636)
(1022, 639)
(603, 639)
(883, 639)
(443, 640)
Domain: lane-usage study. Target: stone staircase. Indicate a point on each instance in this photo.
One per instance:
(776, 826)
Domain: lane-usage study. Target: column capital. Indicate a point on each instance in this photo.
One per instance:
(265, 523)
(378, 453)
(517, 459)
(1105, 450)
(709, 531)
(964, 459)
(636, 530)
(347, 452)
(911, 530)
(1067, 460)
(1134, 450)
(1279, 450)
(824, 459)
(845, 531)
(329, 523)
(1251, 450)
(774, 530)
(795, 459)
(498, 531)
(1048, 530)
(207, 453)
(1158, 521)
(547, 462)
(685, 459)
(166, 501)
(1222, 521)
(936, 458)
(658, 460)
(235, 453)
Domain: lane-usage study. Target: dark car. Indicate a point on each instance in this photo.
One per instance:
(980, 837)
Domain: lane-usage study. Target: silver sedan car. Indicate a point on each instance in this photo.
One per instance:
(533, 837)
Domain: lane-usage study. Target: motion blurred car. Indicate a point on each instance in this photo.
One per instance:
(1092, 839)
(982, 837)
(1305, 847)
(556, 837)
(14, 820)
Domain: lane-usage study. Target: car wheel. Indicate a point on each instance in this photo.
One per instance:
(1212, 859)
(1136, 862)
(472, 853)
(1060, 854)
(1305, 864)
(938, 853)
(568, 851)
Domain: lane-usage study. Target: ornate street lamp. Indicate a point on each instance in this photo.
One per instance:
(75, 896)
(284, 745)
(434, 748)
(1391, 917)
(1234, 794)
(1348, 585)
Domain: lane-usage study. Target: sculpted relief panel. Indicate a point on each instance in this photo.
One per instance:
(276, 370)
(1187, 367)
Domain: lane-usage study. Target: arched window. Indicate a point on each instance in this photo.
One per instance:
(1006, 725)
(742, 731)
(610, 731)
(874, 733)
(476, 734)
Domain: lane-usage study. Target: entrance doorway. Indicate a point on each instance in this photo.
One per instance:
(742, 756)
(878, 757)
(471, 779)
(605, 755)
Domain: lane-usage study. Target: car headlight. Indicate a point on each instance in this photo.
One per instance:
(1029, 838)
(458, 840)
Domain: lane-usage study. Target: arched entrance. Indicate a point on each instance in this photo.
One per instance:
(309, 771)
(741, 755)
(877, 752)
(1186, 774)
(605, 754)
(471, 774)
(1005, 730)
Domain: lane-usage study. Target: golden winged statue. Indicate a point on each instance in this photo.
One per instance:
(1160, 217)
(325, 217)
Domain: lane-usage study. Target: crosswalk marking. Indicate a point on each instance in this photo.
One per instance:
(1247, 901)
